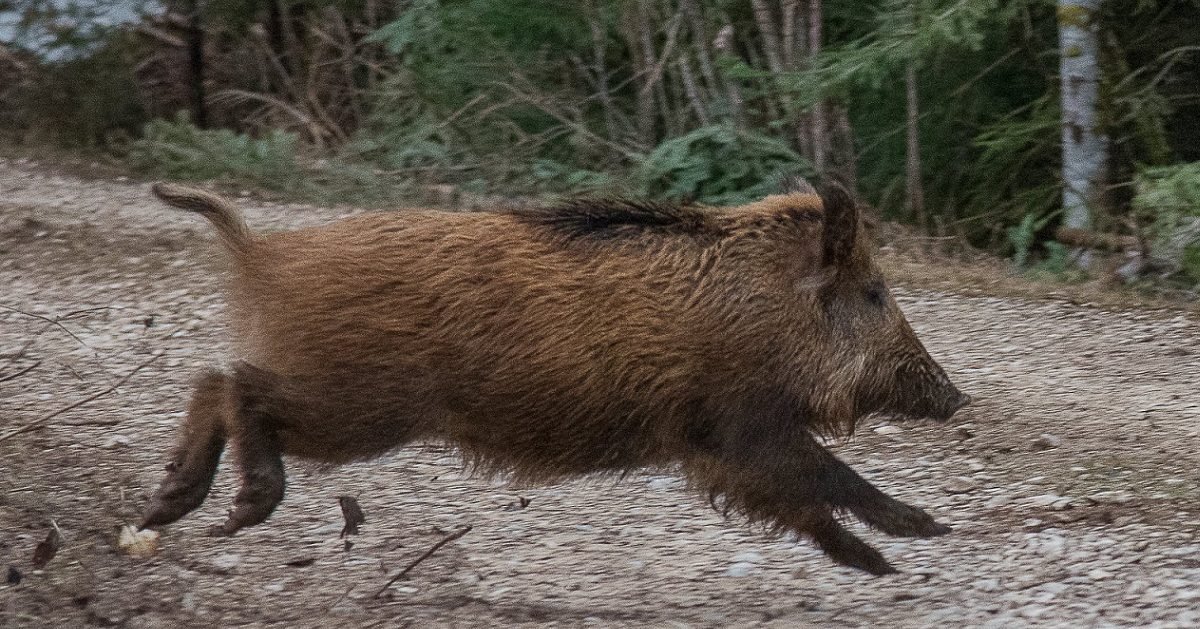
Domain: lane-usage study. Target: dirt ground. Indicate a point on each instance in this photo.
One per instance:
(1073, 483)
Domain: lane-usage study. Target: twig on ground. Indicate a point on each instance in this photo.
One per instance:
(38, 423)
(340, 599)
(54, 321)
(21, 372)
(403, 573)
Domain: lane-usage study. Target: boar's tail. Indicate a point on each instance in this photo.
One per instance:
(231, 228)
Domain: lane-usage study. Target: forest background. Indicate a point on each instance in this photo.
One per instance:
(1038, 130)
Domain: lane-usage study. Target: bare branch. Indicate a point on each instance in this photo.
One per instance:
(38, 423)
(21, 372)
(449, 538)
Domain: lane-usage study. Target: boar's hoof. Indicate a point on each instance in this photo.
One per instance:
(863, 557)
(259, 496)
(844, 548)
(176, 497)
(901, 520)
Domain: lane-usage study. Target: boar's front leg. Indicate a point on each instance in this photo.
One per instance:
(769, 467)
(845, 489)
(842, 546)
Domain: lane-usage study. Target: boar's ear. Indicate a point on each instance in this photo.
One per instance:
(841, 225)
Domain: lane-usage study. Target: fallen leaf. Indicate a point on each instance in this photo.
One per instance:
(353, 515)
(48, 547)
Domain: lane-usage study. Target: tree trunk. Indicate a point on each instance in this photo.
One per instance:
(769, 32)
(1084, 146)
(914, 191)
(196, 64)
(820, 128)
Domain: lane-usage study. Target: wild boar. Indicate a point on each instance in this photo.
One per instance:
(599, 336)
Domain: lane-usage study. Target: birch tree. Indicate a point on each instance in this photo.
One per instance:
(1084, 145)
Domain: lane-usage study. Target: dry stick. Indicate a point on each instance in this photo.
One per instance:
(449, 538)
(38, 423)
(21, 372)
(47, 320)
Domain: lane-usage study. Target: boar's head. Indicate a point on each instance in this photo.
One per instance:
(866, 358)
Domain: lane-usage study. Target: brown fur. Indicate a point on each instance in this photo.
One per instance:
(600, 336)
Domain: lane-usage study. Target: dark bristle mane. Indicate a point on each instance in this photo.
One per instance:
(618, 218)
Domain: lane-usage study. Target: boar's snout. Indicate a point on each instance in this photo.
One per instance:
(927, 392)
(960, 400)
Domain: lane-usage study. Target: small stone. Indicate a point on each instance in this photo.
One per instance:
(997, 501)
(663, 483)
(227, 561)
(1032, 611)
(1046, 441)
(986, 585)
(748, 557)
(1111, 497)
(740, 569)
(960, 485)
(117, 441)
(1045, 500)
(1049, 545)
(1062, 503)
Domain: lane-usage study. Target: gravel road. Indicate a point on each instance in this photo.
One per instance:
(1073, 483)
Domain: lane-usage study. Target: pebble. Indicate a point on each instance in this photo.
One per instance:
(1113, 497)
(117, 441)
(740, 569)
(227, 561)
(1046, 441)
(960, 485)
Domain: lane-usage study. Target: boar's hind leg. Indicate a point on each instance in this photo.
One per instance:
(194, 461)
(257, 400)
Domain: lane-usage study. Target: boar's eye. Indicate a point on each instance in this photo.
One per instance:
(877, 295)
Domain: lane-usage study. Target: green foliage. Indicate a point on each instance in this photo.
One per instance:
(180, 150)
(564, 177)
(1022, 237)
(717, 164)
(1169, 198)
(535, 97)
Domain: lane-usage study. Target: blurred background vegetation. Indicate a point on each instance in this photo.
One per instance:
(945, 115)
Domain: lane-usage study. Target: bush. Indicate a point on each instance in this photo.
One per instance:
(718, 164)
(179, 150)
(1168, 197)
